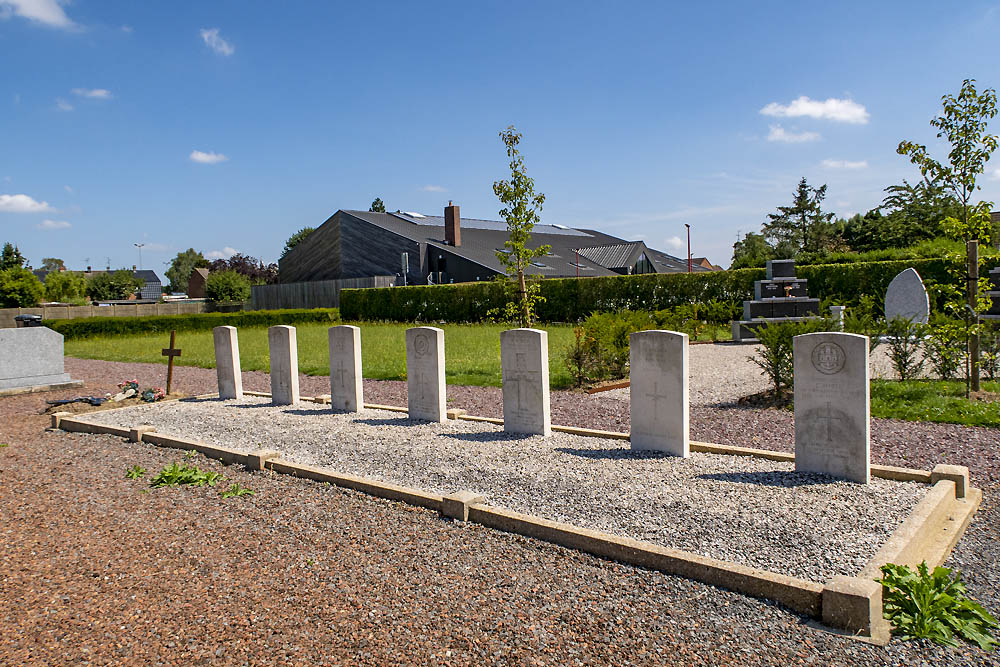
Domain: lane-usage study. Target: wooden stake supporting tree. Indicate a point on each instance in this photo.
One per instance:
(170, 353)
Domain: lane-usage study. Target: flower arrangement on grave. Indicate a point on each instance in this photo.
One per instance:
(129, 384)
(153, 394)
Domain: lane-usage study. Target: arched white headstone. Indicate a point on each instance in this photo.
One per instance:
(906, 297)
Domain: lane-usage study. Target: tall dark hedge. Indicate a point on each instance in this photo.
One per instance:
(573, 299)
(86, 327)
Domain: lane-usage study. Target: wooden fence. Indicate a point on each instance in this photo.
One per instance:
(315, 294)
(7, 315)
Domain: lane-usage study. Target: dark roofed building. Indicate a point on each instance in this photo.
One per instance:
(444, 249)
(152, 288)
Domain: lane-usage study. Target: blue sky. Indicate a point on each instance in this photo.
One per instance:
(229, 125)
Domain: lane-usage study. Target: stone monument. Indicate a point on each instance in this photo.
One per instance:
(31, 359)
(227, 362)
(284, 355)
(524, 367)
(658, 370)
(780, 297)
(346, 392)
(425, 389)
(906, 298)
(832, 425)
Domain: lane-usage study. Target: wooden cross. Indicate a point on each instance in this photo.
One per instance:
(170, 353)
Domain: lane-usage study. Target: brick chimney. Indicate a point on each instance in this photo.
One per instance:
(452, 225)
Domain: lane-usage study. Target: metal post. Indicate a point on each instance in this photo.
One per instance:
(139, 246)
(689, 245)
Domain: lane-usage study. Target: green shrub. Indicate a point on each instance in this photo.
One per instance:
(19, 288)
(573, 299)
(904, 338)
(65, 286)
(88, 327)
(865, 319)
(775, 358)
(945, 347)
(925, 605)
(113, 286)
(227, 286)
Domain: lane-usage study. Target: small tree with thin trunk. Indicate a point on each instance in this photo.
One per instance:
(963, 124)
(521, 207)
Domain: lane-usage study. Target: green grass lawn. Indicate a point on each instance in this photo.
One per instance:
(933, 401)
(472, 352)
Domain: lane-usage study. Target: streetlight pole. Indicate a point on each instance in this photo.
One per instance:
(689, 245)
(139, 246)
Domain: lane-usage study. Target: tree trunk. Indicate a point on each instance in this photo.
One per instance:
(972, 252)
(523, 288)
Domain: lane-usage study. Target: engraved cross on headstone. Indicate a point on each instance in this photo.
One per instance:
(170, 353)
(656, 396)
(828, 418)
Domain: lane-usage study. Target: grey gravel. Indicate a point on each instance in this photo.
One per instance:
(741, 509)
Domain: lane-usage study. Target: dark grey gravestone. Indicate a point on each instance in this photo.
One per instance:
(907, 298)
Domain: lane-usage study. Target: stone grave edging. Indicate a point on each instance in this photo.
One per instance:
(928, 533)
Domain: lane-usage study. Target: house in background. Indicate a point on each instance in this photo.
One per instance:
(447, 249)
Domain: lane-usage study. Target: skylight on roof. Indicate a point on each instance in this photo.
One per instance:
(414, 215)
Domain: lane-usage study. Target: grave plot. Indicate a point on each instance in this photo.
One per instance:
(741, 509)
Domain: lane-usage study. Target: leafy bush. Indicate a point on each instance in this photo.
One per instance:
(775, 358)
(864, 319)
(925, 605)
(573, 299)
(945, 347)
(227, 286)
(19, 288)
(989, 347)
(904, 338)
(88, 327)
(113, 286)
(65, 286)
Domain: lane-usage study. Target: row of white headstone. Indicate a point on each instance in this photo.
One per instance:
(831, 387)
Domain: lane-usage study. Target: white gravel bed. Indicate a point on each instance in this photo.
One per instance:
(722, 373)
(741, 509)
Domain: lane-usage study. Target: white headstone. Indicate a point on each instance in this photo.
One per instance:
(227, 362)
(31, 357)
(658, 373)
(837, 315)
(832, 426)
(524, 367)
(345, 368)
(425, 392)
(284, 365)
(906, 297)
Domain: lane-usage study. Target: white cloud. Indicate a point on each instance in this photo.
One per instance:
(93, 93)
(434, 188)
(842, 111)
(778, 133)
(68, 189)
(996, 174)
(674, 243)
(46, 12)
(22, 204)
(225, 253)
(17, 98)
(54, 224)
(211, 38)
(128, 28)
(207, 158)
(845, 164)
(63, 105)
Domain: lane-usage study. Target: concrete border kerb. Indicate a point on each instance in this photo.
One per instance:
(849, 604)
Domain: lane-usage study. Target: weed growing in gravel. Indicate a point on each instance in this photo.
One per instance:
(135, 472)
(176, 474)
(932, 605)
(237, 491)
(4, 444)
(190, 454)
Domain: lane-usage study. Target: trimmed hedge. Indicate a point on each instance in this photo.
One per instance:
(88, 327)
(573, 299)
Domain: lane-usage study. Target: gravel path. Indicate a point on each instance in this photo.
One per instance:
(92, 571)
(734, 508)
